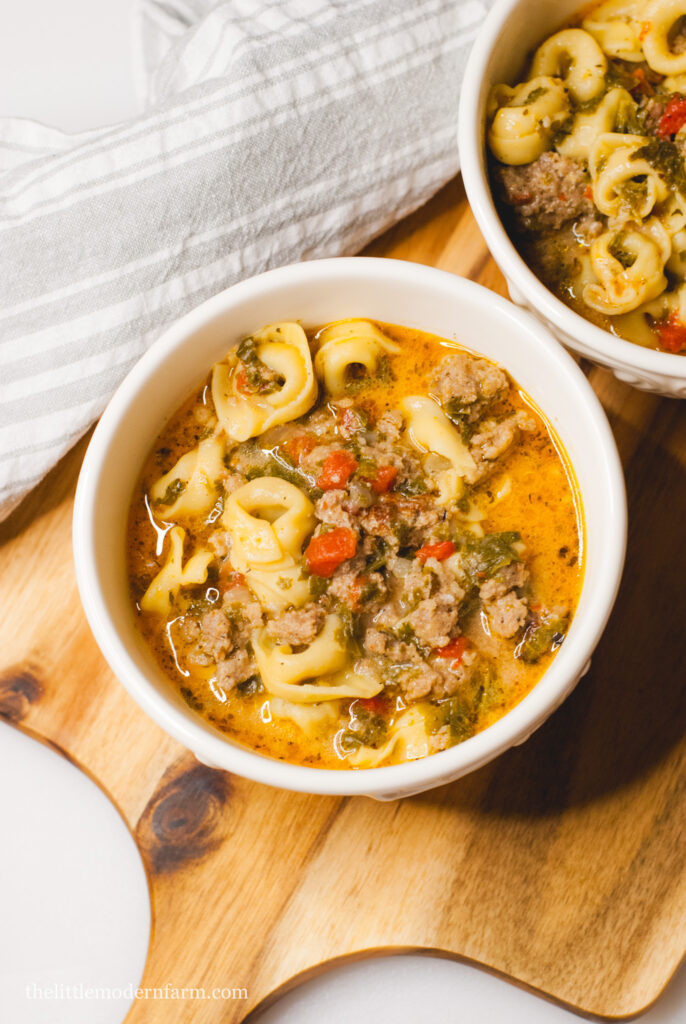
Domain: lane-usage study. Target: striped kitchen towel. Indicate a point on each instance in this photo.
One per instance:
(273, 131)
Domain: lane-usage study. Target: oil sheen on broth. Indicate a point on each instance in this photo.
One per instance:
(427, 546)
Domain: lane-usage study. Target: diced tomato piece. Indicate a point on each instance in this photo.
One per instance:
(356, 591)
(588, 192)
(643, 87)
(443, 549)
(326, 552)
(384, 479)
(562, 197)
(337, 469)
(645, 29)
(229, 578)
(242, 383)
(672, 334)
(377, 705)
(298, 446)
(454, 650)
(351, 421)
(673, 118)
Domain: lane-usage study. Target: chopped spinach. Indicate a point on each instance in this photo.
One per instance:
(247, 351)
(405, 632)
(318, 586)
(561, 129)
(260, 379)
(351, 630)
(482, 557)
(366, 468)
(622, 255)
(591, 104)
(540, 638)
(366, 728)
(458, 713)
(634, 191)
(173, 491)
(377, 557)
(534, 95)
(459, 414)
(462, 711)
(274, 465)
(664, 156)
(411, 486)
(249, 687)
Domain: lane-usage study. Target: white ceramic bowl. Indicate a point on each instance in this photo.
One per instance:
(317, 292)
(511, 31)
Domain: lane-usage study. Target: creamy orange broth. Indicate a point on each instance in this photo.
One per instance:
(532, 491)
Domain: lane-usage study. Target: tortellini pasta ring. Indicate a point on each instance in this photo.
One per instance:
(198, 470)
(676, 263)
(279, 589)
(284, 673)
(615, 169)
(409, 734)
(616, 26)
(429, 429)
(174, 574)
(575, 57)
(639, 321)
(284, 348)
(605, 145)
(623, 288)
(268, 519)
(661, 17)
(346, 344)
(521, 128)
(310, 718)
(588, 125)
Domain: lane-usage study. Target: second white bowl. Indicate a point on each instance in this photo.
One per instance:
(511, 31)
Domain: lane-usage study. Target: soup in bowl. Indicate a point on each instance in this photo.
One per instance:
(572, 137)
(351, 553)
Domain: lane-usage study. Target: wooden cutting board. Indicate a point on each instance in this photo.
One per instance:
(560, 865)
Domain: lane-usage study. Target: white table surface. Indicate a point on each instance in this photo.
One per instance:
(68, 64)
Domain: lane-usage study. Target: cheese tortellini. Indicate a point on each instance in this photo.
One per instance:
(588, 125)
(525, 118)
(615, 162)
(349, 344)
(429, 429)
(196, 473)
(625, 283)
(617, 26)
(607, 161)
(576, 58)
(409, 739)
(284, 672)
(268, 520)
(174, 575)
(660, 18)
(283, 348)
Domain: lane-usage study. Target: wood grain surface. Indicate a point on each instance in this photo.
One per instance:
(560, 865)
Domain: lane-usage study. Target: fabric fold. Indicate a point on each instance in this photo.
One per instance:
(273, 132)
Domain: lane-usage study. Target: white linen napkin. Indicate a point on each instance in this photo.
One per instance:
(274, 131)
